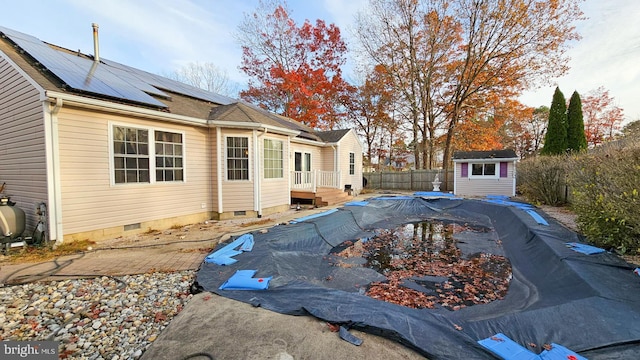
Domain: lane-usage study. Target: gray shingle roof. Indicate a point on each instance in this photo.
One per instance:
(179, 98)
(243, 112)
(332, 136)
(491, 154)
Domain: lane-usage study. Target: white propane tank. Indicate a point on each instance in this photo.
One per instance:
(12, 220)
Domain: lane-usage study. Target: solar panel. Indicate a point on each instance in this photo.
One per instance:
(172, 85)
(85, 74)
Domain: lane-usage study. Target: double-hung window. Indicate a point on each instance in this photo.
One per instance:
(352, 163)
(168, 156)
(273, 159)
(138, 151)
(130, 155)
(237, 158)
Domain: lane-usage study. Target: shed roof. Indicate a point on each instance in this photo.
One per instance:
(482, 155)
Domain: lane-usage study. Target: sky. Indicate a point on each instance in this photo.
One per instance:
(161, 36)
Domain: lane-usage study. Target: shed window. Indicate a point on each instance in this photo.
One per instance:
(483, 169)
(237, 158)
(273, 168)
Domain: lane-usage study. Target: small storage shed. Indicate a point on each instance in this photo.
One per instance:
(480, 173)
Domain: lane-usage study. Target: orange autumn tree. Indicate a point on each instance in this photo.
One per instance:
(507, 46)
(449, 56)
(496, 124)
(602, 118)
(294, 70)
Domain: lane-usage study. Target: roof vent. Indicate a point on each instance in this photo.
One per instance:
(96, 46)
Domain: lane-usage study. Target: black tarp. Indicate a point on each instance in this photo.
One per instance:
(587, 303)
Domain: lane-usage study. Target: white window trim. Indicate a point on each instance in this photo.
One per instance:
(470, 170)
(354, 163)
(152, 154)
(249, 158)
(264, 169)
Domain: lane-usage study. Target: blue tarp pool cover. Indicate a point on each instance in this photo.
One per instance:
(588, 304)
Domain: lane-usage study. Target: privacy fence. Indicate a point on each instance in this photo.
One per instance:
(412, 180)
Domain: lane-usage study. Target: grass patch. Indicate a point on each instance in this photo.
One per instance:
(257, 222)
(44, 253)
(150, 231)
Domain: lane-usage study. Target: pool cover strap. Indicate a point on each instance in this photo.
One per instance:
(244, 280)
(584, 248)
(508, 349)
(225, 255)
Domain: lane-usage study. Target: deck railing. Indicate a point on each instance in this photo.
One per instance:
(312, 180)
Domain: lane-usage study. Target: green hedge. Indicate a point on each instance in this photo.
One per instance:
(542, 179)
(604, 187)
(605, 197)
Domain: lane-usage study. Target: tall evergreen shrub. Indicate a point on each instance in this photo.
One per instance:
(576, 139)
(555, 141)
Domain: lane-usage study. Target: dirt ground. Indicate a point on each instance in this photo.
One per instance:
(204, 235)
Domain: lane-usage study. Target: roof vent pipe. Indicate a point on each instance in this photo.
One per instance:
(96, 46)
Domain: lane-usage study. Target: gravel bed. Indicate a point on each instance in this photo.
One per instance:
(102, 318)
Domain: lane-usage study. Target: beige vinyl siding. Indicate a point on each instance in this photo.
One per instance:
(275, 192)
(328, 159)
(349, 144)
(469, 186)
(91, 202)
(237, 195)
(22, 142)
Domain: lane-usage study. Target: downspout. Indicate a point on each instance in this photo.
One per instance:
(53, 167)
(257, 180)
(288, 173)
(336, 165)
(219, 173)
(513, 180)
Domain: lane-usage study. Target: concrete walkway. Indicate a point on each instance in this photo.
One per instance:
(146, 253)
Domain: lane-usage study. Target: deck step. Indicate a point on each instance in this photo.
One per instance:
(323, 196)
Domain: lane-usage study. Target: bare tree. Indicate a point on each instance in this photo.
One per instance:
(206, 76)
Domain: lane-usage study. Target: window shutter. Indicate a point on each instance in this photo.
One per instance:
(503, 169)
(465, 170)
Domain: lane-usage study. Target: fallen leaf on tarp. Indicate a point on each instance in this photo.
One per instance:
(403, 256)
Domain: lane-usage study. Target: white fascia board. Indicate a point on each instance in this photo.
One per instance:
(252, 126)
(309, 142)
(485, 160)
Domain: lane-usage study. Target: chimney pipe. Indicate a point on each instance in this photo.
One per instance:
(96, 46)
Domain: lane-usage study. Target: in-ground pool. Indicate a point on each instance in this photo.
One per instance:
(438, 274)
